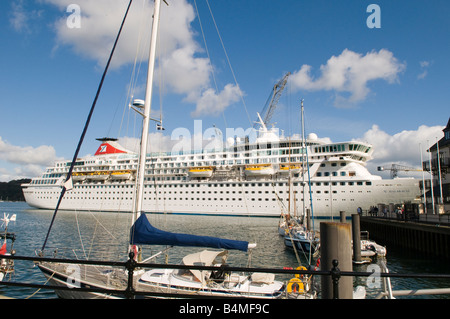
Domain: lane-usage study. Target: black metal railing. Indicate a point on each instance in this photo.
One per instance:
(411, 216)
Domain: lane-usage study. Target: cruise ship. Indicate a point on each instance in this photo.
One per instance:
(261, 178)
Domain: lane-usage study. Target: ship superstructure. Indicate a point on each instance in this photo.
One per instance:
(255, 179)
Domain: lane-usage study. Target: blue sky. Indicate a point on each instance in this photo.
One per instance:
(387, 86)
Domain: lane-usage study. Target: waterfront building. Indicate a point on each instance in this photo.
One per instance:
(438, 197)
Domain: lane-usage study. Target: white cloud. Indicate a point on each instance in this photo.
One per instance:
(184, 73)
(157, 142)
(99, 23)
(182, 68)
(41, 155)
(349, 72)
(424, 67)
(211, 103)
(24, 161)
(20, 18)
(401, 148)
(18, 15)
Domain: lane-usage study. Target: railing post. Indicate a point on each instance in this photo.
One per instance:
(335, 276)
(130, 265)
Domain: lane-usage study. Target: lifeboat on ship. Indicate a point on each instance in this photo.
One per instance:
(98, 176)
(259, 170)
(121, 175)
(293, 168)
(78, 177)
(201, 171)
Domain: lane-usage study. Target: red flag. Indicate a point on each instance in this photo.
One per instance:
(3, 250)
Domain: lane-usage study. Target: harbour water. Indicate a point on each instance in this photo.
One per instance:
(103, 236)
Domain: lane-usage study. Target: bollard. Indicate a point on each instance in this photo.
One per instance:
(335, 244)
(342, 214)
(356, 236)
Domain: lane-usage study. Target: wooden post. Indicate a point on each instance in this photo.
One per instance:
(335, 244)
(356, 236)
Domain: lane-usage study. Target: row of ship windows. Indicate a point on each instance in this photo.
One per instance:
(209, 192)
(274, 184)
(187, 199)
(341, 148)
(215, 192)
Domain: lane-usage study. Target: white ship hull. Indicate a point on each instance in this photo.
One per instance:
(339, 182)
(226, 198)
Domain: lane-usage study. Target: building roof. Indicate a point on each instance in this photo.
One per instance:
(444, 141)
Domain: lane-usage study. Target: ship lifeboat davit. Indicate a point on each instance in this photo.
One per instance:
(259, 170)
(203, 171)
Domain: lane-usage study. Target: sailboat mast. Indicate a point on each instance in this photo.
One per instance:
(307, 165)
(147, 109)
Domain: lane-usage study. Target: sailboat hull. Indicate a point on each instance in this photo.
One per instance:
(95, 277)
(62, 275)
(301, 245)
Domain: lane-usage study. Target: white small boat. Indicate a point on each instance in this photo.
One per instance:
(221, 283)
(259, 170)
(199, 172)
(98, 176)
(121, 175)
(370, 248)
(290, 168)
(78, 177)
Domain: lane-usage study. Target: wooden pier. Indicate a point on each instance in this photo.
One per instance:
(429, 239)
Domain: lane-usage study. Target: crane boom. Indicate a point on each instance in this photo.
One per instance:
(272, 101)
(395, 168)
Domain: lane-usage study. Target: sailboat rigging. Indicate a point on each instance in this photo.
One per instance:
(204, 283)
(67, 185)
(296, 233)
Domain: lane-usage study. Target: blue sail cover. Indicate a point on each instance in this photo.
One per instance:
(143, 233)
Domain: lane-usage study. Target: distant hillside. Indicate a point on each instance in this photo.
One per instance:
(12, 191)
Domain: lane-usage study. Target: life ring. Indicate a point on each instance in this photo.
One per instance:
(295, 285)
(300, 275)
